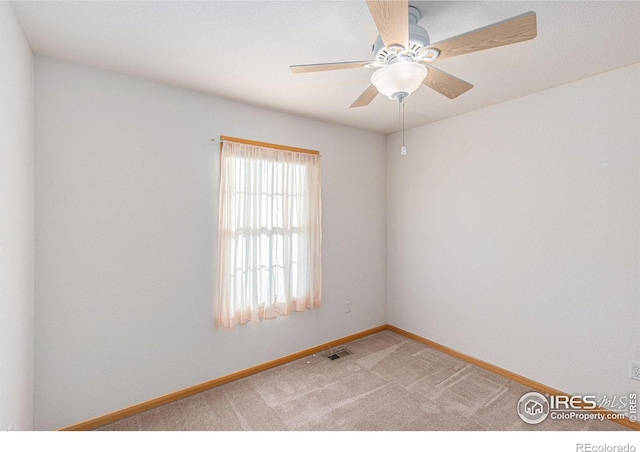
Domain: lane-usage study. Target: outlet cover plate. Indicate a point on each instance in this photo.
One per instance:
(634, 370)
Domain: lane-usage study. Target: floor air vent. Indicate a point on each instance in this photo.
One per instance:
(339, 354)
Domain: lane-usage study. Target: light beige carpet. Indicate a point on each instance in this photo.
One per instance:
(389, 383)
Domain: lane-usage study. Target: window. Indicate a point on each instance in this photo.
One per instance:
(269, 236)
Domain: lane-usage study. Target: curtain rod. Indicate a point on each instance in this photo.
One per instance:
(226, 139)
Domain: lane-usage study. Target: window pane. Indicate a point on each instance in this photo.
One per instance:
(270, 233)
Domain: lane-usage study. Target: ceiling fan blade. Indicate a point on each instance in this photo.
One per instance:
(445, 84)
(366, 97)
(517, 29)
(392, 20)
(302, 68)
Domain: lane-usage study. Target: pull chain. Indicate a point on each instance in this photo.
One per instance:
(403, 149)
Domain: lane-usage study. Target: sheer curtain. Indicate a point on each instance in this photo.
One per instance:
(269, 236)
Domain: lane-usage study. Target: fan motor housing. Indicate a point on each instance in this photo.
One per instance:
(418, 39)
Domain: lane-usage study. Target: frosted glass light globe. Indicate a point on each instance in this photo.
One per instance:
(399, 79)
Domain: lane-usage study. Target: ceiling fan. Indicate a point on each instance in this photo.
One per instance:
(403, 52)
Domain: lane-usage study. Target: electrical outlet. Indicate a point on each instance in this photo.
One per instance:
(634, 370)
(347, 306)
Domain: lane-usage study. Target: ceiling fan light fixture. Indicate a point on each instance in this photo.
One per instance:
(398, 80)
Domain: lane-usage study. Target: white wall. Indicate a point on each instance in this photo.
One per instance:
(16, 225)
(126, 207)
(512, 233)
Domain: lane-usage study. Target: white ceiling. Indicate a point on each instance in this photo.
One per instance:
(242, 50)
